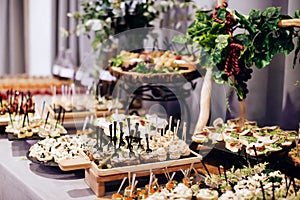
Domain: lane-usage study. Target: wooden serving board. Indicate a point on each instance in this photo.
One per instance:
(97, 182)
(81, 162)
(4, 119)
(144, 167)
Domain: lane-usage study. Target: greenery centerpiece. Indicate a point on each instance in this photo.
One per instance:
(233, 43)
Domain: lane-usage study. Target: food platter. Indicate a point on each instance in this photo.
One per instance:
(34, 160)
(220, 146)
(154, 67)
(189, 73)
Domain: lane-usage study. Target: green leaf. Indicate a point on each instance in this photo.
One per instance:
(255, 16)
(181, 39)
(297, 14)
(271, 13)
(245, 23)
(218, 77)
(242, 39)
(222, 41)
(270, 18)
(117, 61)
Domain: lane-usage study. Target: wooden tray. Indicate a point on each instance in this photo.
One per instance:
(81, 162)
(144, 167)
(96, 178)
(4, 119)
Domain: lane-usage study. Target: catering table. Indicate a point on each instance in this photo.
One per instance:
(22, 179)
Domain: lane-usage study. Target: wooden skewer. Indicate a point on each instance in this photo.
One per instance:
(121, 184)
(167, 177)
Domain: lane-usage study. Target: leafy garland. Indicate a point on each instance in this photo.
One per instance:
(233, 43)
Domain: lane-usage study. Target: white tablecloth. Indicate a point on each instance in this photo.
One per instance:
(22, 179)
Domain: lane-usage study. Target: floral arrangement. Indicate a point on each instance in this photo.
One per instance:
(105, 18)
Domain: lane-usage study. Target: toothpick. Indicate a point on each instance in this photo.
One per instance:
(177, 126)
(156, 124)
(166, 174)
(85, 123)
(196, 172)
(132, 183)
(184, 132)
(123, 181)
(170, 124)
(73, 89)
(150, 181)
(183, 172)
(172, 176)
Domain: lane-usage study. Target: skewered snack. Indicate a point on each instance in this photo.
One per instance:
(263, 140)
(255, 182)
(26, 128)
(137, 145)
(17, 103)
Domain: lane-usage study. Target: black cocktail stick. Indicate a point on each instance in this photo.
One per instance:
(205, 167)
(273, 190)
(111, 134)
(11, 121)
(128, 124)
(136, 129)
(24, 121)
(262, 190)
(97, 136)
(21, 106)
(294, 185)
(115, 132)
(11, 95)
(63, 117)
(101, 138)
(148, 150)
(26, 114)
(28, 120)
(47, 116)
(121, 126)
(219, 170)
(255, 154)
